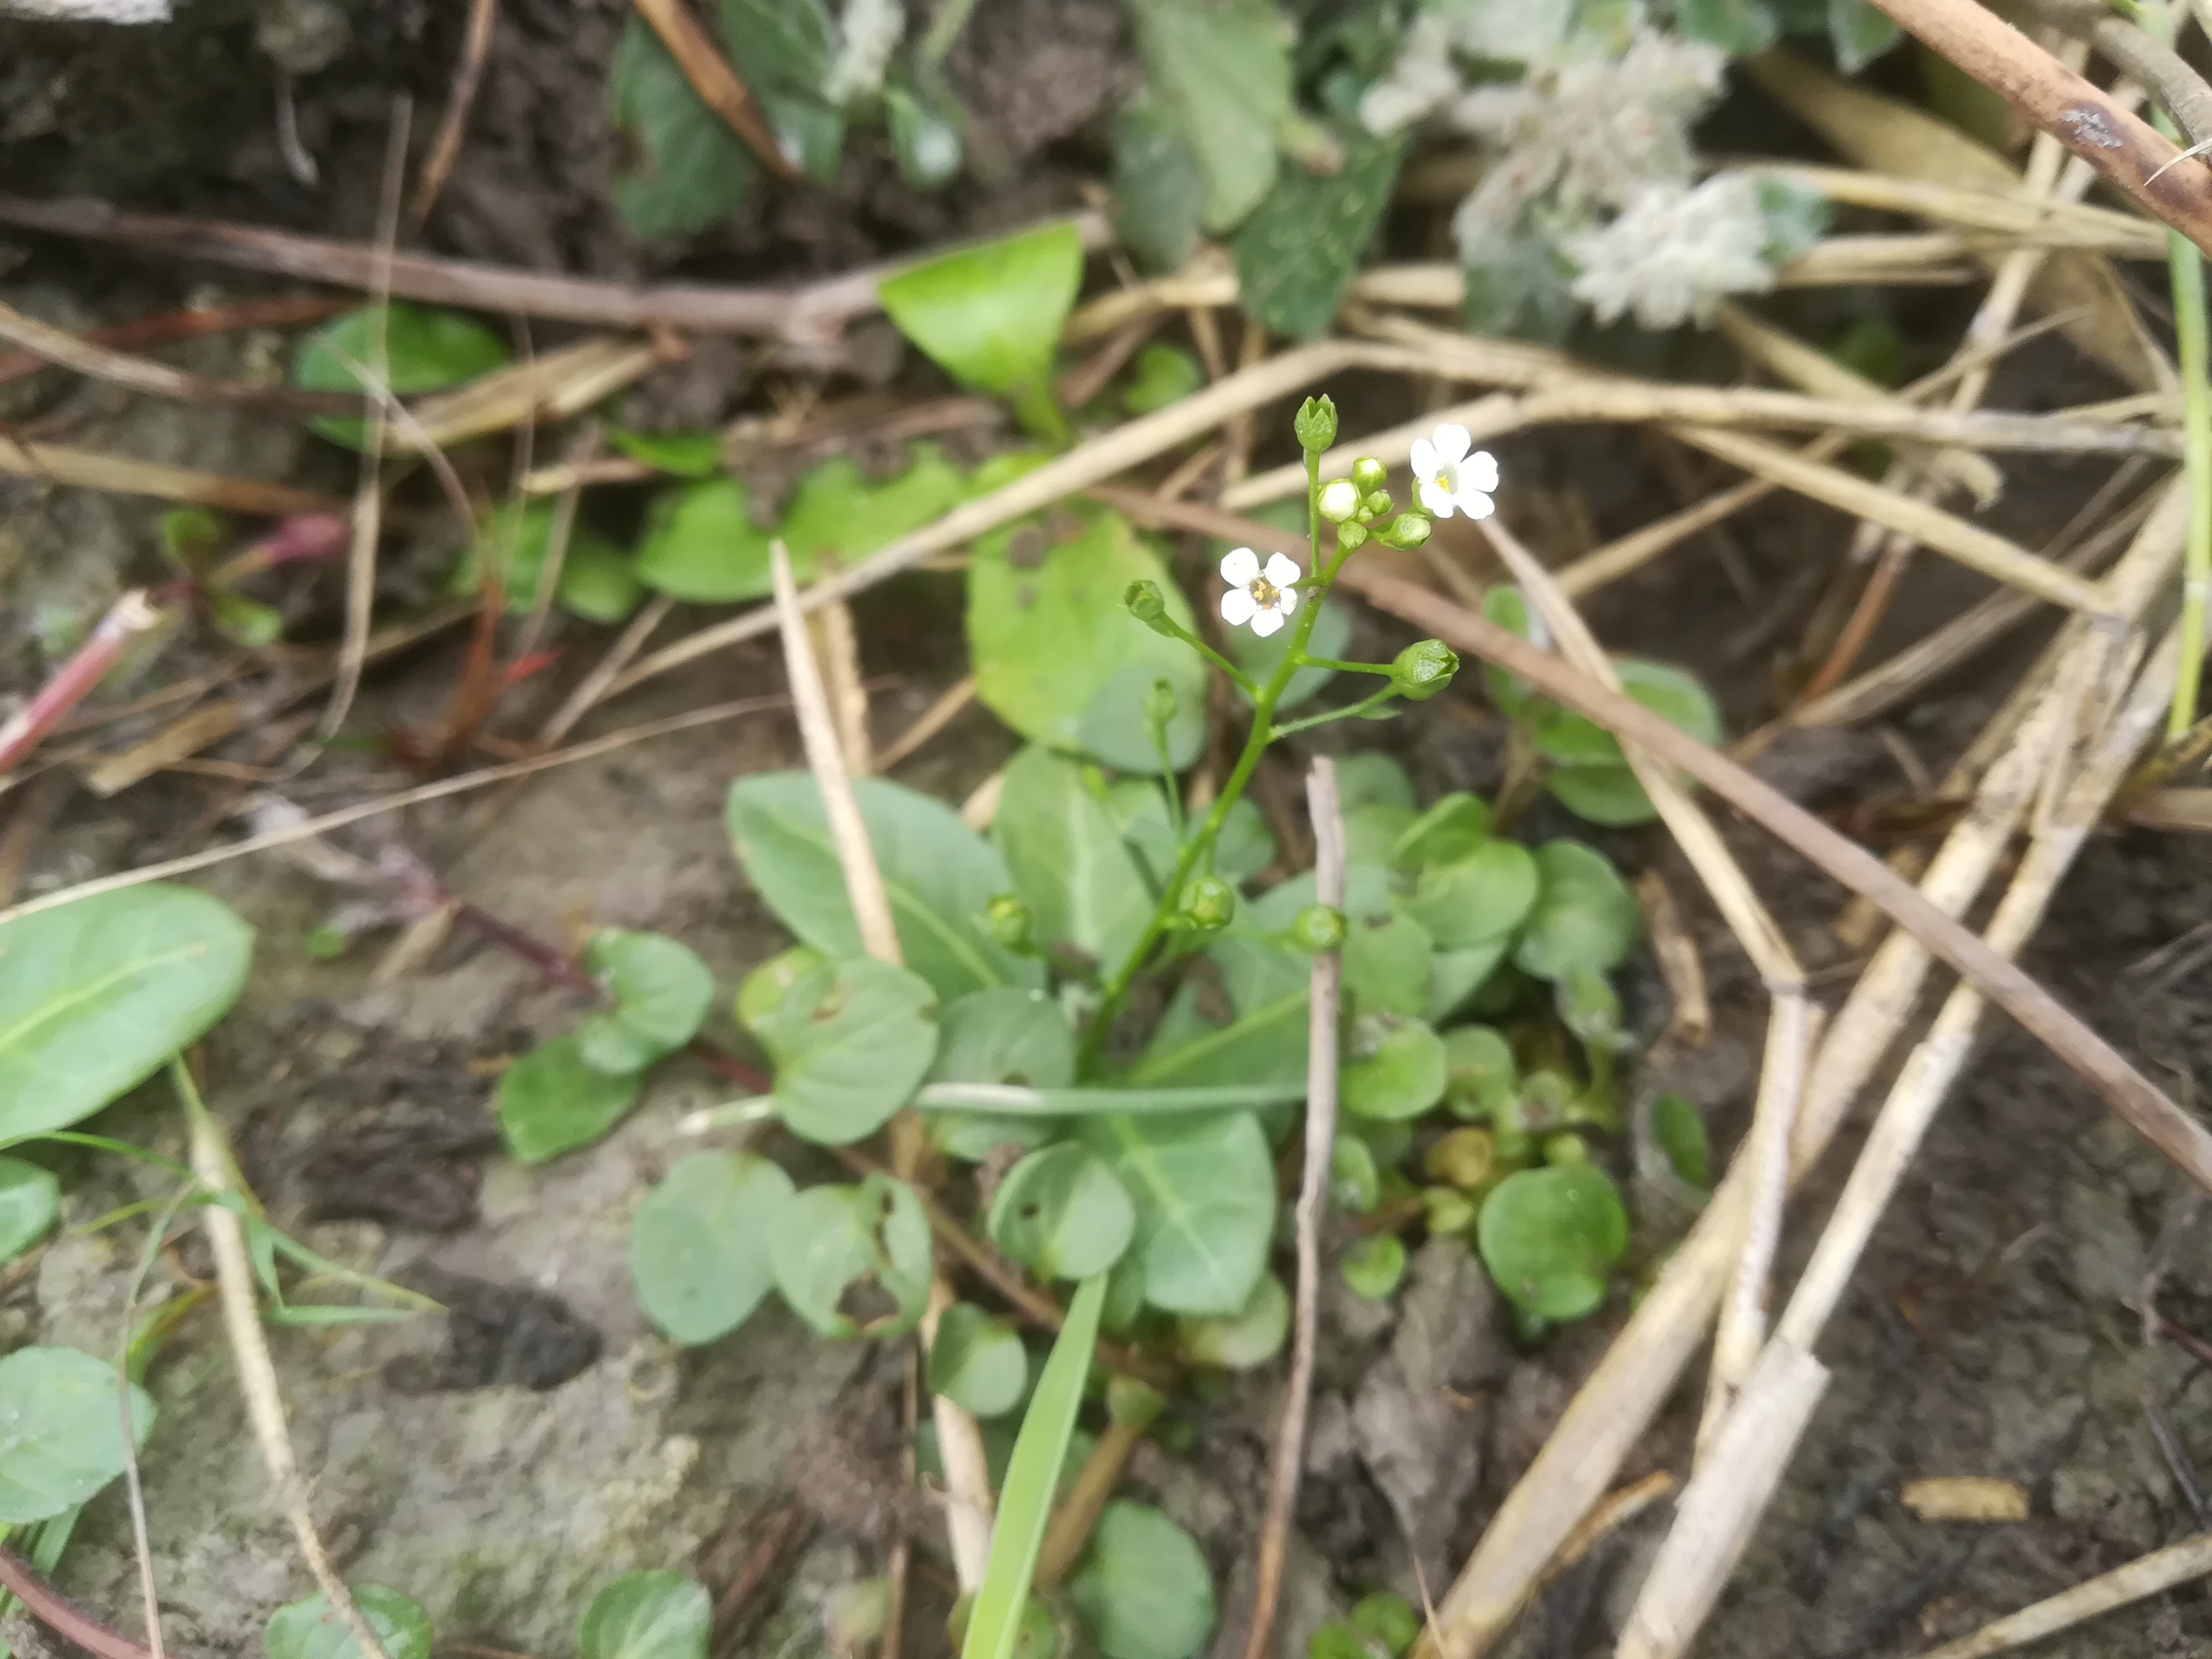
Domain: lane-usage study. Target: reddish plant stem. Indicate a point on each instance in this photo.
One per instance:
(62, 1616)
(127, 619)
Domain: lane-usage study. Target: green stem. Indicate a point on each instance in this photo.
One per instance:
(1361, 707)
(1241, 680)
(1343, 668)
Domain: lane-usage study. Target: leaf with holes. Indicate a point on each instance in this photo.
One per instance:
(1062, 1213)
(61, 1431)
(698, 1245)
(661, 991)
(313, 1630)
(1204, 1189)
(853, 1261)
(851, 1042)
(646, 1615)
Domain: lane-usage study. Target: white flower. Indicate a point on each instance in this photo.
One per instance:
(1264, 598)
(1447, 476)
(1339, 500)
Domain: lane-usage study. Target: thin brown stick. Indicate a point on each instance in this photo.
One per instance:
(2126, 149)
(56, 463)
(715, 81)
(453, 125)
(89, 358)
(1077, 1515)
(191, 323)
(2143, 59)
(1327, 975)
(931, 720)
(2146, 1576)
(62, 1616)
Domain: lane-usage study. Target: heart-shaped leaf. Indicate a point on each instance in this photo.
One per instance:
(647, 1615)
(991, 315)
(1143, 1590)
(1394, 1068)
(313, 1629)
(851, 1042)
(691, 171)
(1374, 1267)
(698, 1245)
(938, 873)
(424, 350)
(1205, 1191)
(61, 1431)
(96, 993)
(553, 1100)
(978, 1362)
(1549, 1237)
(1062, 1213)
(1070, 861)
(1002, 1036)
(661, 991)
(1584, 916)
(853, 1261)
(30, 1198)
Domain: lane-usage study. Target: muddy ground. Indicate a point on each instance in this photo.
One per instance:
(501, 1463)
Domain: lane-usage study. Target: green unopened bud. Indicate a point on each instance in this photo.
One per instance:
(1353, 535)
(1464, 1158)
(1369, 473)
(1448, 1211)
(1144, 601)
(1424, 668)
(1339, 500)
(1407, 530)
(1208, 903)
(1133, 1403)
(1377, 504)
(1316, 424)
(1159, 703)
(1318, 928)
(1006, 919)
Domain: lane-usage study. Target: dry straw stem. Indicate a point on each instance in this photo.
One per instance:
(56, 463)
(1720, 1508)
(257, 1372)
(948, 707)
(2146, 1576)
(2013, 219)
(1327, 979)
(549, 388)
(715, 81)
(2139, 56)
(810, 311)
(143, 374)
(1681, 967)
(967, 1470)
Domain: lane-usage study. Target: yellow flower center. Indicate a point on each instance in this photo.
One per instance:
(1264, 594)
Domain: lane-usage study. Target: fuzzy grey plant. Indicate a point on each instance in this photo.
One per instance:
(869, 32)
(1672, 254)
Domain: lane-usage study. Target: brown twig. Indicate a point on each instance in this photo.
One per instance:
(2126, 149)
(56, 463)
(62, 1616)
(715, 81)
(739, 1607)
(453, 125)
(1312, 1209)
(191, 323)
(2149, 1575)
(49, 344)
(2141, 57)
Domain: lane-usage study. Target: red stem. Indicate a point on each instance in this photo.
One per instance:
(127, 619)
(62, 1616)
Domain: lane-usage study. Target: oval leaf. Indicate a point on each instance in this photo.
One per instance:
(1002, 1036)
(423, 351)
(1394, 1068)
(1386, 966)
(552, 1100)
(1549, 1236)
(698, 1245)
(851, 1042)
(313, 1629)
(977, 1362)
(30, 1198)
(1204, 1187)
(1143, 1589)
(95, 994)
(1475, 899)
(661, 991)
(853, 1261)
(61, 1431)
(1249, 1337)
(1373, 1267)
(1062, 1213)
(1584, 916)
(1070, 861)
(646, 1615)
(991, 316)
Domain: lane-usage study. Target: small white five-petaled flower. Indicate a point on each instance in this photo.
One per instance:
(1447, 476)
(1264, 598)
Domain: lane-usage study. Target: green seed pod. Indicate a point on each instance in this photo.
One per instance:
(1407, 530)
(1208, 903)
(1159, 703)
(1318, 928)
(1006, 919)
(1424, 668)
(1316, 424)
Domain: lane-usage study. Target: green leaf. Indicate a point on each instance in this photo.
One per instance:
(1549, 1237)
(1161, 375)
(647, 1615)
(1002, 1036)
(1240, 851)
(761, 993)
(1455, 977)
(1062, 1213)
(991, 316)
(30, 1198)
(851, 1042)
(1069, 861)
(1058, 659)
(1249, 1337)
(661, 991)
(1390, 1620)
(1374, 1267)
(1354, 1183)
(1481, 1075)
(553, 1100)
(1159, 191)
(977, 1362)
(1738, 27)
(1680, 1132)
(698, 1245)
(1478, 899)
(1601, 794)
(938, 873)
(1796, 215)
(836, 509)
(1861, 33)
(1204, 1192)
(598, 581)
(686, 170)
(96, 993)
(1220, 74)
(1143, 1589)
(702, 546)
(1457, 826)
(1026, 1498)
(1585, 917)
(61, 1431)
(1394, 1068)
(1386, 966)
(784, 50)
(1375, 778)
(1591, 778)
(246, 621)
(1297, 254)
(853, 1261)
(191, 539)
(681, 454)
(313, 1629)
(924, 141)
(1258, 1038)
(424, 351)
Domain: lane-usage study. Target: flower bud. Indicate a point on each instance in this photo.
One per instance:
(1450, 1210)
(1316, 424)
(1339, 500)
(1377, 505)
(1144, 601)
(1159, 703)
(1407, 530)
(1464, 1158)
(1351, 535)
(1006, 919)
(1208, 903)
(1424, 668)
(1368, 473)
(1318, 928)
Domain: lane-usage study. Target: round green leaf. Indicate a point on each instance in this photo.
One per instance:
(1475, 898)
(698, 1245)
(424, 350)
(1394, 1068)
(1373, 778)
(1000, 1036)
(61, 1431)
(1374, 1266)
(702, 546)
(30, 1198)
(1354, 1183)
(1204, 1187)
(1143, 1589)
(1062, 1213)
(1481, 1075)
(646, 1615)
(760, 992)
(1457, 827)
(1386, 966)
(1601, 794)
(1455, 977)
(851, 1042)
(596, 582)
(978, 1362)
(552, 1100)
(1549, 1236)
(1680, 1132)
(1251, 1337)
(1585, 917)
(661, 991)
(853, 1261)
(313, 1629)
